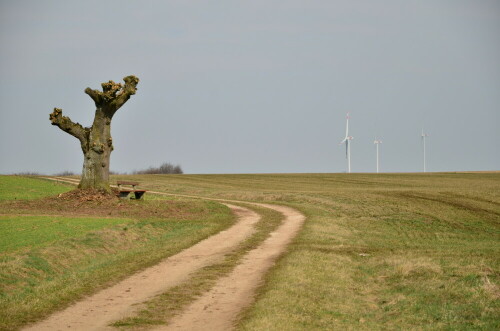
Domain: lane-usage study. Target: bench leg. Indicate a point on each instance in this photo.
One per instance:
(138, 195)
(124, 194)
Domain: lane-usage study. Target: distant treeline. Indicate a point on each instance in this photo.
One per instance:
(165, 168)
(35, 173)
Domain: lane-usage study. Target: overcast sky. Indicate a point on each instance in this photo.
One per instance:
(255, 86)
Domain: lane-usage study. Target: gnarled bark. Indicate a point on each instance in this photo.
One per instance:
(96, 141)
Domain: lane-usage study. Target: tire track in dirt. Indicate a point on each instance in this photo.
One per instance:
(218, 309)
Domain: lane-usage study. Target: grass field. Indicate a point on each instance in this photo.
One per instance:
(388, 251)
(54, 251)
(24, 188)
(377, 252)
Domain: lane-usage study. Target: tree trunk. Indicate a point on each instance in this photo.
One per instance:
(97, 153)
(96, 141)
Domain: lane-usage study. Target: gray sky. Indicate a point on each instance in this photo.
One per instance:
(255, 86)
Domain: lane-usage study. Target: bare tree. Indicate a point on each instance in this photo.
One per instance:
(96, 141)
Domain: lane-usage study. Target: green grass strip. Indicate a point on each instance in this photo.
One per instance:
(37, 231)
(28, 188)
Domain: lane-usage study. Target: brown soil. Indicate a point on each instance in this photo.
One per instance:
(88, 195)
(91, 203)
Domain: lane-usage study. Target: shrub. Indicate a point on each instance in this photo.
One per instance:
(65, 173)
(112, 172)
(165, 168)
(28, 173)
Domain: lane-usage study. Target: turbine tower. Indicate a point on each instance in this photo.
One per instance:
(377, 142)
(347, 145)
(424, 135)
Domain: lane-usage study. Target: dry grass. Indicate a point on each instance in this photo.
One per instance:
(388, 251)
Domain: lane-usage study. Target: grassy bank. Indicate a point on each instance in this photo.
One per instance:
(54, 251)
(388, 251)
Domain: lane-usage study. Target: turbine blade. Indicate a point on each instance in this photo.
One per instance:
(347, 126)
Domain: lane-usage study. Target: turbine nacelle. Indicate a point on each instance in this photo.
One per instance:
(345, 139)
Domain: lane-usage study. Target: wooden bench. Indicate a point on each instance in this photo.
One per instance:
(124, 192)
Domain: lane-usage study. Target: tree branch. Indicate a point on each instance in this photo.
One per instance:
(113, 95)
(64, 123)
(95, 95)
(126, 91)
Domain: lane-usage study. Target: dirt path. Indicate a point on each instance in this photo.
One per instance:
(113, 303)
(217, 309)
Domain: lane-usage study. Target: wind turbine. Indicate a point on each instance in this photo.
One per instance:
(377, 142)
(347, 145)
(424, 135)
